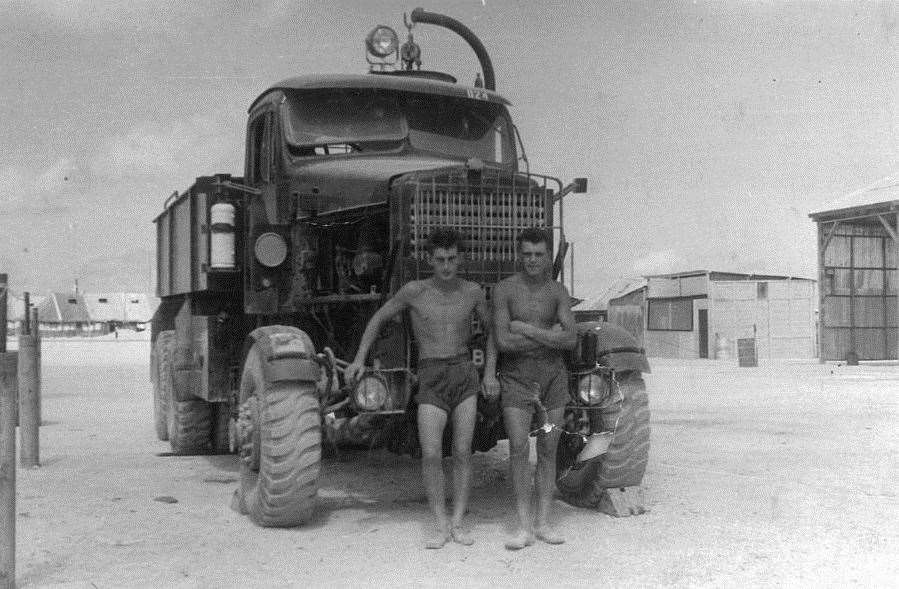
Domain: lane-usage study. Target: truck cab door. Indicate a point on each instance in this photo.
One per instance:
(261, 164)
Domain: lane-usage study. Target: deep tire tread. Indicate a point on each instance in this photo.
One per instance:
(160, 366)
(285, 488)
(189, 423)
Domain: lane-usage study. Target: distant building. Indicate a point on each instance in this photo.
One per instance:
(65, 314)
(701, 314)
(88, 314)
(597, 308)
(120, 309)
(858, 251)
(625, 307)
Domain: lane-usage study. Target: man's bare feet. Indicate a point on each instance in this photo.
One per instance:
(460, 536)
(438, 540)
(519, 541)
(545, 534)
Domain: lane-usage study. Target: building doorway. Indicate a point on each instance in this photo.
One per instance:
(703, 333)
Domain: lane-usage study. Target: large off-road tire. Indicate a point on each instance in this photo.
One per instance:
(280, 439)
(160, 391)
(624, 463)
(188, 423)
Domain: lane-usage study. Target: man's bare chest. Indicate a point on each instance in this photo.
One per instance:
(533, 305)
(443, 308)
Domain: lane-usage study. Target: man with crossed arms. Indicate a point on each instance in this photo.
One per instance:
(528, 309)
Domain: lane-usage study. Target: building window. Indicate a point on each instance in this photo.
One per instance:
(761, 290)
(670, 314)
(103, 300)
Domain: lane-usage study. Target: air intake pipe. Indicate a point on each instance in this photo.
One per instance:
(432, 18)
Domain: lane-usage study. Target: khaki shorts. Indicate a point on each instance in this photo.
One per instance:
(446, 382)
(524, 377)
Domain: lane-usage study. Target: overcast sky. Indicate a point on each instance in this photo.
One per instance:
(708, 130)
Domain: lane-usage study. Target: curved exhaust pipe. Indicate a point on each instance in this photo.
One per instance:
(419, 15)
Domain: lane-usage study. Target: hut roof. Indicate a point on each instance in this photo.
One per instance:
(882, 196)
(719, 275)
(61, 307)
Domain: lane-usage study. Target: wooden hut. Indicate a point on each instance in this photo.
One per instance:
(702, 314)
(858, 251)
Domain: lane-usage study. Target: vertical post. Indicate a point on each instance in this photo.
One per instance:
(822, 244)
(36, 332)
(7, 469)
(27, 312)
(883, 296)
(572, 270)
(3, 284)
(896, 246)
(852, 355)
(29, 401)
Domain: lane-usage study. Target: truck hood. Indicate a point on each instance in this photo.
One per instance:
(353, 181)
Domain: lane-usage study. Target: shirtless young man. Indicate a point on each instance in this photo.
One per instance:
(527, 307)
(441, 309)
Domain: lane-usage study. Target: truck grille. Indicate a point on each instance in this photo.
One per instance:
(489, 213)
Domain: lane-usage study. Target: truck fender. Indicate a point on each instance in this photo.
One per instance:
(611, 346)
(288, 353)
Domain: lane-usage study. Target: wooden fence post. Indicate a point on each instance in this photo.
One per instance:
(29, 401)
(4, 281)
(8, 383)
(36, 332)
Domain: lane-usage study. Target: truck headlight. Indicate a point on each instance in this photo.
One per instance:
(371, 392)
(270, 249)
(592, 388)
(382, 41)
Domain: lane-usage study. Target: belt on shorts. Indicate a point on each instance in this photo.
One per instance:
(457, 359)
(542, 354)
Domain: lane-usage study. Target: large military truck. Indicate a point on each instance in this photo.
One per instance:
(268, 280)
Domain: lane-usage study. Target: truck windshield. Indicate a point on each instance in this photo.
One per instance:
(322, 122)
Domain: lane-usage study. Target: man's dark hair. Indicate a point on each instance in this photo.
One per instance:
(443, 237)
(535, 235)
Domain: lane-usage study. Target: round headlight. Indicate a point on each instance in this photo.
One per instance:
(592, 388)
(371, 393)
(382, 41)
(270, 249)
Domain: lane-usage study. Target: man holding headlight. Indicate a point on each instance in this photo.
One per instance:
(441, 309)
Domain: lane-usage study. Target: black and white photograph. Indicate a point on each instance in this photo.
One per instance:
(475, 293)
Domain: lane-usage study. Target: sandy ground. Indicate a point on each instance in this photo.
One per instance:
(780, 475)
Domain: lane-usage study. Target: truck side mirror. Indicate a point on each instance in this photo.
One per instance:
(580, 185)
